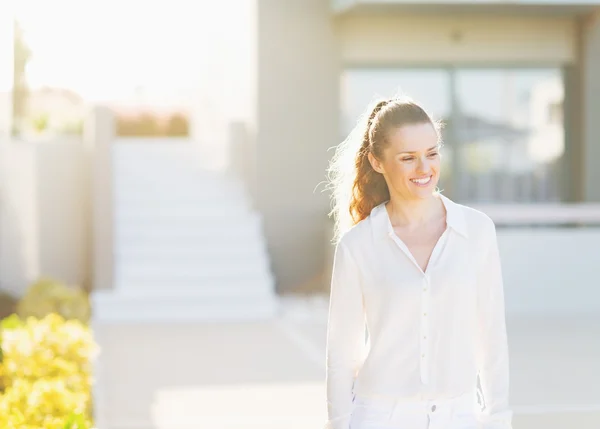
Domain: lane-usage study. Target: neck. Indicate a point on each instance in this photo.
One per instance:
(412, 213)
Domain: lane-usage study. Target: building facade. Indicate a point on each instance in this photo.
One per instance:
(517, 85)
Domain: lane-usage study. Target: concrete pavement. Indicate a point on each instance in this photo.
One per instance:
(270, 375)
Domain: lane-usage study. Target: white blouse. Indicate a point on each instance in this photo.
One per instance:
(430, 334)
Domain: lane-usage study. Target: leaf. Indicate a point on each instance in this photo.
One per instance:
(76, 421)
(11, 322)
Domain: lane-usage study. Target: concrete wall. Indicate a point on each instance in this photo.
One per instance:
(550, 271)
(298, 109)
(99, 134)
(403, 39)
(62, 219)
(18, 218)
(590, 77)
(43, 229)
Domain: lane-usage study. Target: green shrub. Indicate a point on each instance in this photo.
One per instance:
(46, 373)
(48, 296)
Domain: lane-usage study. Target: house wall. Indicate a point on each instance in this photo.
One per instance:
(302, 51)
(297, 118)
(18, 219)
(590, 99)
(43, 218)
(403, 39)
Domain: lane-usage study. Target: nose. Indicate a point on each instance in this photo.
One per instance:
(423, 165)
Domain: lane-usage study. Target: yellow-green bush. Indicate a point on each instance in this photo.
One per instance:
(48, 296)
(45, 373)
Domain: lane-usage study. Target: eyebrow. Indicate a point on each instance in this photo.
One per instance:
(428, 150)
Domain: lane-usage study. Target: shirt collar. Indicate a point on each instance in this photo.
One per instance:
(455, 218)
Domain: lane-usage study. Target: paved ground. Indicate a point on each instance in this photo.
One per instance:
(270, 375)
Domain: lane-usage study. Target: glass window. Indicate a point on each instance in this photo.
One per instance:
(504, 130)
(510, 131)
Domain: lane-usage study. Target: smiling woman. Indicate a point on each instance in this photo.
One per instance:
(421, 275)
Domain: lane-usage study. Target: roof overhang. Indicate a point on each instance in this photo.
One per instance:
(496, 7)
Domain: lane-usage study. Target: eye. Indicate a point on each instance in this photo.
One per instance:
(407, 158)
(433, 154)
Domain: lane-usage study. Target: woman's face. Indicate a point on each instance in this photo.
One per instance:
(411, 161)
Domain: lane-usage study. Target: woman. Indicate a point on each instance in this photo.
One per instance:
(419, 275)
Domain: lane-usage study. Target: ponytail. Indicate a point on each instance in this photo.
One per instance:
(369, 188)
(357, 187)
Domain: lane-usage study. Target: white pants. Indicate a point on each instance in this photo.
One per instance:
(377, 413)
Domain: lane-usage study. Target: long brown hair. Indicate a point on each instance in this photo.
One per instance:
(357, 187)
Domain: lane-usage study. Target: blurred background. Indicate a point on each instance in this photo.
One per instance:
(162, 169)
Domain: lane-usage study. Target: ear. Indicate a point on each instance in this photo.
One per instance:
(375, 163)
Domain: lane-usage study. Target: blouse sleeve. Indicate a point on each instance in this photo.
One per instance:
(346, 336)
(492, 345)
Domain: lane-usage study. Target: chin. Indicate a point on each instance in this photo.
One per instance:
(423, 192)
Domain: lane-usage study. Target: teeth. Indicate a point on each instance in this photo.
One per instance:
(422, 181)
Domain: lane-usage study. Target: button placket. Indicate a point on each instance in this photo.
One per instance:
(425, 294)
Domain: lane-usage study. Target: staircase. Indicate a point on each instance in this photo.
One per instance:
(187, 246)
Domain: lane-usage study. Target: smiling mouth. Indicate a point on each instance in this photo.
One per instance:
(422, 181)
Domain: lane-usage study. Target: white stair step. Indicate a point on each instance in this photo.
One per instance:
(202, 279)
(200, 273)
(174, 196)
(199, 228)
(190, 268)
(252, 251)
(206, 203)
(219, 213)
(192, 287)
(194, 224)
(151, 251)
(153, 180)
(180, 186)
(230, 210)
(214, 250)
(209, 286)
(111, 307)
(135, 153)
(175, 177)
(148, 234)
(184, 162)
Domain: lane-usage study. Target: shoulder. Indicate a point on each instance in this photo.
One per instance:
(478, 223)
(355, 236)
(361, 235)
